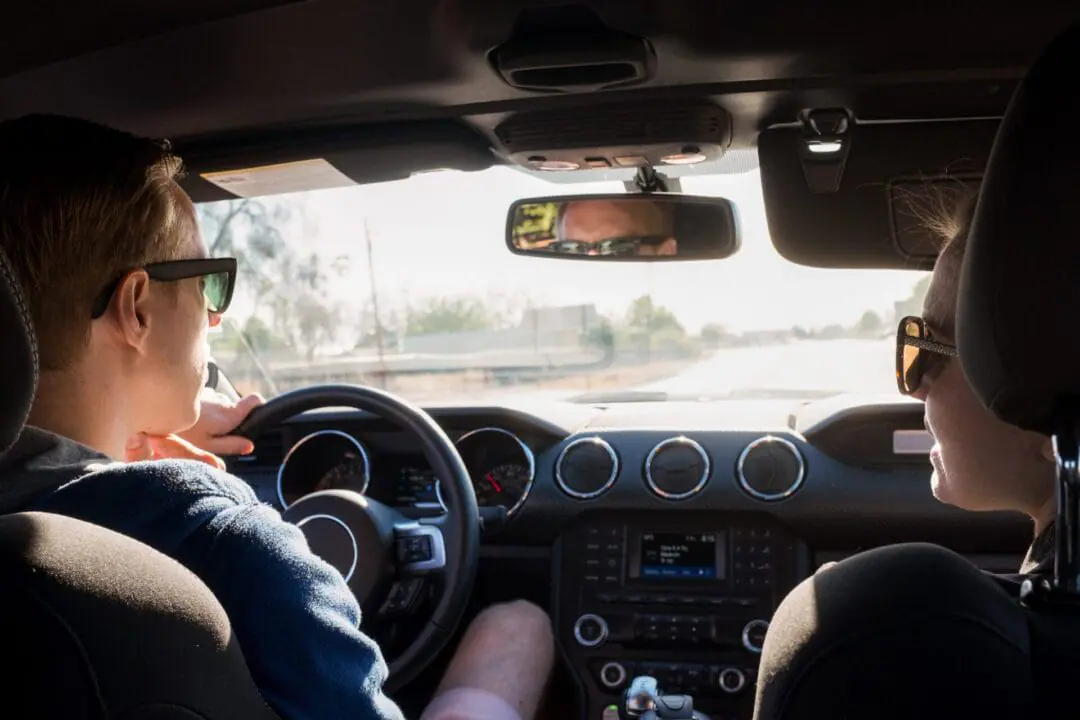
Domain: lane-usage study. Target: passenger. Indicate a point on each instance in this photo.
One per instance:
(83, 211)
(980, 462)
(616, 227)
(890, 625)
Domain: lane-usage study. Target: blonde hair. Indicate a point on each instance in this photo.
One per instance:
(947, 210)
(80, 205)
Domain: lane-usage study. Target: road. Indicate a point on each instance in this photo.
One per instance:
(825, 366)
(856, 366)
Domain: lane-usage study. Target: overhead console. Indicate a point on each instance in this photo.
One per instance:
(683, 596)
(615, 136)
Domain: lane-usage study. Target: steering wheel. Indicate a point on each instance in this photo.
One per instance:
(388, 559)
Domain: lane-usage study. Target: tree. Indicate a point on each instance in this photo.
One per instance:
(913, 303)
(713, 333)
(869, 324)
(646, 316)
(448, 315)
(288, 289)
(601, 336)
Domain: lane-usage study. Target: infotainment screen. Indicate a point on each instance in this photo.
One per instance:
(682, 556)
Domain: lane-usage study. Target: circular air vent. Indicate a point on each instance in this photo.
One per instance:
(677, 468)
(586, 468)
(771, 468)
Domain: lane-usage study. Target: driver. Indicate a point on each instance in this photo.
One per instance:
(84, 211)
(616, 227)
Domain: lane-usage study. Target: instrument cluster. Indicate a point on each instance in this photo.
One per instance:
(501, 466)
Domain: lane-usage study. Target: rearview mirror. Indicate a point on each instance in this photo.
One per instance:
(646, 227)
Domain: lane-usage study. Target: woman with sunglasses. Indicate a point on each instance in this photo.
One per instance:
(883, 633)
(979, 462)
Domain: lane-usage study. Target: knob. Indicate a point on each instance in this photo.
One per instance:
(753, 635)
(731, 680)
(613, 675)
(590, 630)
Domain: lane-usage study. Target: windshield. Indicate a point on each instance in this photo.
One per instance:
(409, 286)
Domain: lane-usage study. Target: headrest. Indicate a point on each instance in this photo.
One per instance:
(18, 357)
(1018, 311)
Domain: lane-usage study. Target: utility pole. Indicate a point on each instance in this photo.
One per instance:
(375, 308)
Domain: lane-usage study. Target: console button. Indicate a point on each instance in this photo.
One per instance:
(613, 675)
(590, 630)
(753, 635)
(731, 680)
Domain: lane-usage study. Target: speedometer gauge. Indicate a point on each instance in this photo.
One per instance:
(504, 485)
(501, 467)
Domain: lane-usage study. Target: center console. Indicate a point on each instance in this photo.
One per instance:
(684, 597)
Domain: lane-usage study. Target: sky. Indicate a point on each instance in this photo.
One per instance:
(442, 233)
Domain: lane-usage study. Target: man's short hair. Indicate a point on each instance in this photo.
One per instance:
(80, 205)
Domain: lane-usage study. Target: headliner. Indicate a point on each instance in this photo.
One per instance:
(192, 69)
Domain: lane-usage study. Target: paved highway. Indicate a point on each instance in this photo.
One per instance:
(854, 366)
(795, 370)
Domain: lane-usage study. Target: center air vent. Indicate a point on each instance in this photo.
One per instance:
(587, 468)
(677, 468)
(771, 468)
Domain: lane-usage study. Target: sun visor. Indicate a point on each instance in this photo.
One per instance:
(270, 163)
(868, 210)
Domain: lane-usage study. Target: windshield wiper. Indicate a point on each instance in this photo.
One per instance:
(631, 396)
(620, 396)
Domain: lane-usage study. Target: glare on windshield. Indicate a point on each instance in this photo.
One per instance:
(409, 286)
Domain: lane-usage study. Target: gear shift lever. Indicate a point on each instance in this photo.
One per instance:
(644, 699)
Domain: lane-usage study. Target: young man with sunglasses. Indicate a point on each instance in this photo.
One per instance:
(615, 227)
(106, 247)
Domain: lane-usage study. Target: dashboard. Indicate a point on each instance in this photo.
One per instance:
(662, 535)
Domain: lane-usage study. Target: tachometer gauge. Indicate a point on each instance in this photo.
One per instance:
(501, 467)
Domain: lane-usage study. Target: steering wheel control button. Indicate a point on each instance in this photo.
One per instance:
(419, 548)
(414, 549)
(753, 635)
(402, 597)
(590, 630)
(613, 676)
(731, 680)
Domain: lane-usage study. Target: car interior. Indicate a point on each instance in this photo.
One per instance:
(659, 532)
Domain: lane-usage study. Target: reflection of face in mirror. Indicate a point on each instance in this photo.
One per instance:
(616, 227)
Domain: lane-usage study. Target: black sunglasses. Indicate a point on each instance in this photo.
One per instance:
(916, 354)
(218, 275)
(608, 246)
